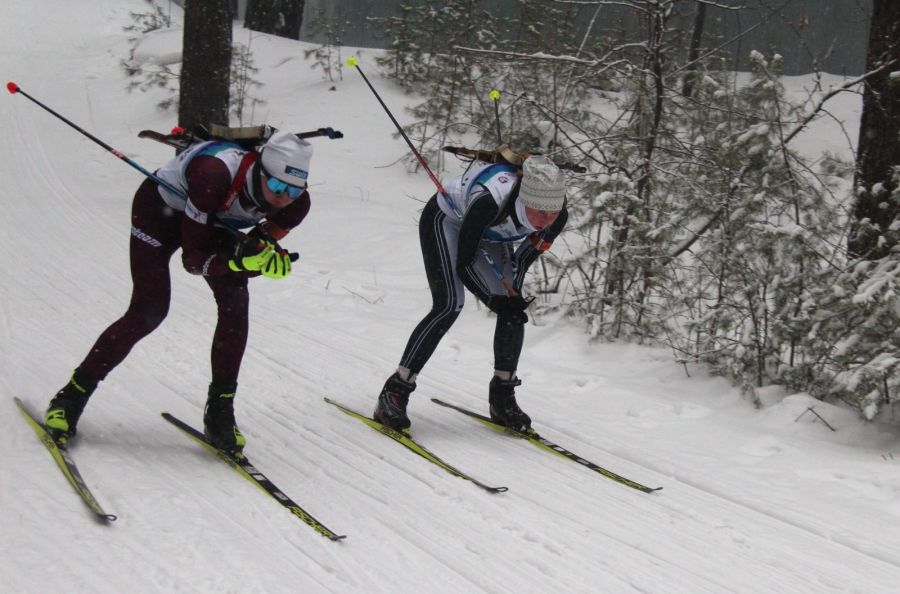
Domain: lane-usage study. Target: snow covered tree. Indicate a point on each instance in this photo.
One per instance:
(409, 45)
(243, 81)
(451, 75)
(330, 28)
(150, 75)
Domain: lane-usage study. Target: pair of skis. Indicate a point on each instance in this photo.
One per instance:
(239, 463)
(531, 436)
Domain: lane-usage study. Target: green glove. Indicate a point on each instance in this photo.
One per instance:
(251, 256)
(278, 265)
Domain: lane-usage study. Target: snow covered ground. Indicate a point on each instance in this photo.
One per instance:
(766, 500)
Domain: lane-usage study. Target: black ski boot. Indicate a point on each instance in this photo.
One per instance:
(391, 408)
(504, 409)
(219, 425)
(61, 418)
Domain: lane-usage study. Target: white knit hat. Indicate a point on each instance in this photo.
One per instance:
(543, 184)
(287, 158)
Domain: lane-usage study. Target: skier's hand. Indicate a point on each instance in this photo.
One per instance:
(510, 309)
(278, 265)
(251, 255)
(501, 303)
(259, 233)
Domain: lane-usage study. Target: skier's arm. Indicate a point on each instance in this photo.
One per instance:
(535, 245)
(208, 181)
(279, 224)
(481, 213)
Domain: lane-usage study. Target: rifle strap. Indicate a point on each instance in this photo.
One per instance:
(249, 159)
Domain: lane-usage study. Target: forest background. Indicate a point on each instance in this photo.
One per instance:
(696, 223)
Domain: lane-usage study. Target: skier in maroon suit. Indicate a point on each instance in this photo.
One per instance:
(210, 191)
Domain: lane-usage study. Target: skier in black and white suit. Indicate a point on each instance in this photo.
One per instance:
(492, 224)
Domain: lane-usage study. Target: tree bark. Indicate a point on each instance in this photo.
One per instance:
(278, 17)
(694, 52)
(879, 138)
(206, 63)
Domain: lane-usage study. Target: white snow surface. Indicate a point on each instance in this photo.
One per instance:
(767, 500)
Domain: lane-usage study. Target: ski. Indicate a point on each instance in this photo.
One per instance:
(243, 467)
(545, 444)
(404, 439)
(65, 462)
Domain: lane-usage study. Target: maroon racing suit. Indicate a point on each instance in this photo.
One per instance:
(158, 230)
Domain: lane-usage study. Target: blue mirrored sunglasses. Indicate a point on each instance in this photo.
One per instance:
(279, 187)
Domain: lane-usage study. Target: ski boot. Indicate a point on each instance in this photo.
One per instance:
(391, 408)
(504, 409)
(61, 418)
(219, 425)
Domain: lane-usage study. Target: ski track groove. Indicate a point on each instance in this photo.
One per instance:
(575, 520)
(628, 467)
(712, 491)
(696, 487)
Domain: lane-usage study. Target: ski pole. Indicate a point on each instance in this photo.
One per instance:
(353, 62)
(14, 88)
(510, 290)
(495, 95)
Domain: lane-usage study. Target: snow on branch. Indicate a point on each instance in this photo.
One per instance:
(643, 6)
(554, 58)
(846, 86)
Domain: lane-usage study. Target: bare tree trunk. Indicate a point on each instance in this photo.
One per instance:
(879, 149)
(650, 119)
(694, 53)
(278, 17)
(206, 63)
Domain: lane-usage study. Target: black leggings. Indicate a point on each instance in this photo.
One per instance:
(155, 237)
(438, 236)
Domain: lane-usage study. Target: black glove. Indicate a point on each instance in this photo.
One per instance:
(257, 233)
(256, 239)
(510, 310)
